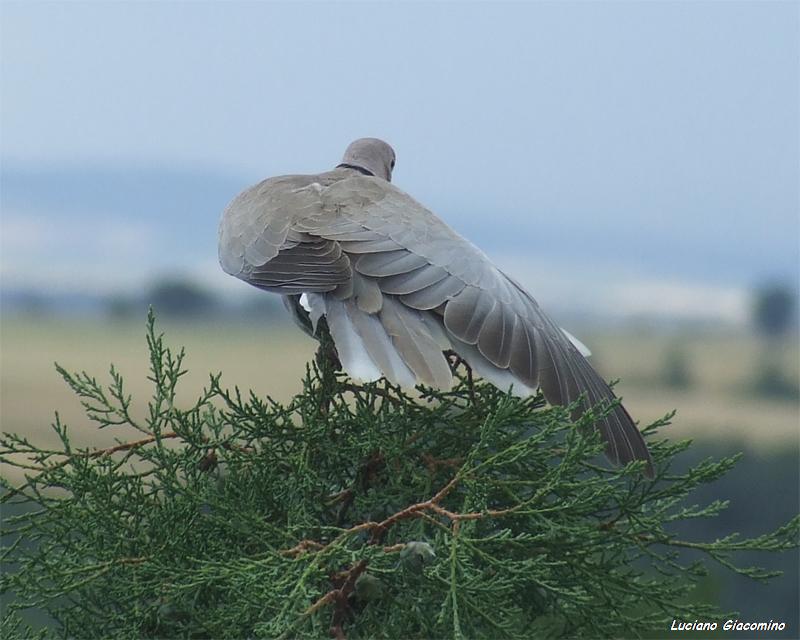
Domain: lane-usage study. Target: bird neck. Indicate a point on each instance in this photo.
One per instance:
(355, 167)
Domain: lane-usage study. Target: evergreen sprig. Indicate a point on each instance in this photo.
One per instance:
(355, 511)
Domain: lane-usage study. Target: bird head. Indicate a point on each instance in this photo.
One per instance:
(370, 155)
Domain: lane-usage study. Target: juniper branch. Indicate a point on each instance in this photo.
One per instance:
(352, 511)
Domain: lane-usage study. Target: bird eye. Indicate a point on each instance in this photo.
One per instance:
(392, 164)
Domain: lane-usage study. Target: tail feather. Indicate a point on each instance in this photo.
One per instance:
(379, 346)
(415, 344)
(352, 352)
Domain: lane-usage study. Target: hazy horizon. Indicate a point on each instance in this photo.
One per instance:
(629, 158)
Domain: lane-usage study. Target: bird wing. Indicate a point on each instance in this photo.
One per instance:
(371, 247)
(259, 242)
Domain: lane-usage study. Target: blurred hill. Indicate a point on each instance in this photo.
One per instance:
(101, 230)
(171, 197)
(78, 234)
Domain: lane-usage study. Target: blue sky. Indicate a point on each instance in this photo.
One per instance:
(643, 150)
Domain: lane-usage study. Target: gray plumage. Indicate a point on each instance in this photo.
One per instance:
(397, 287)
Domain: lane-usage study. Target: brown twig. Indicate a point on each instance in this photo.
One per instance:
(127, 446)
(341, 495)
(208, 462)
(345, 584)
(472, 515)
(302, 547)
(364, 479)
(342, 607)
(345, 581)
(327, 598)
(328, 363)
(435, 463)
(417, 510)
(383, 393)
(459, 361)
(378, 528)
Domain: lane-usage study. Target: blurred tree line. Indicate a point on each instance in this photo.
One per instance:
(774, 318)
(774, 308)
(186, 299)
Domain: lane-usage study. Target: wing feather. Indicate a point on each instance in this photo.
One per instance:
(378, 244)
(524, 355)
(494, 340)
(465, 314)
(405, 283)
(433, 295)
(316, 266)
(389, 263)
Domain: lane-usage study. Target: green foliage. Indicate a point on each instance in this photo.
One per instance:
(352, 511)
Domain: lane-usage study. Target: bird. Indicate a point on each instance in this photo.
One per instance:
(398, 288)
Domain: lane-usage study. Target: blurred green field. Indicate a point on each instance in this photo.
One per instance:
(718, 403)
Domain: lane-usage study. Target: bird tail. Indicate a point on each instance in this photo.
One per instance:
(395, 343)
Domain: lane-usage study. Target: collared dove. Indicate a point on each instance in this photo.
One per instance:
(397, 287)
